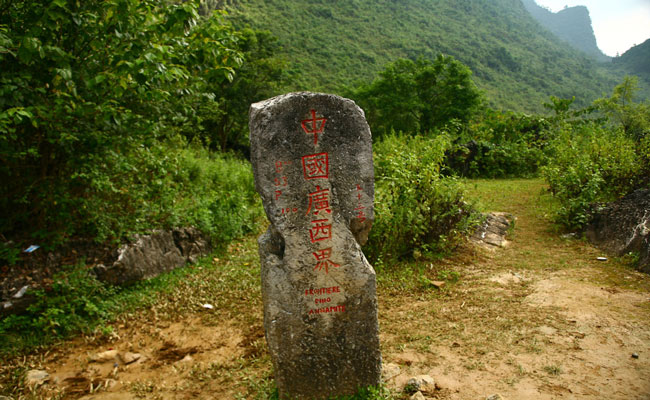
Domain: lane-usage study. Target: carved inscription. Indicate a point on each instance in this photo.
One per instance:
(312, 158)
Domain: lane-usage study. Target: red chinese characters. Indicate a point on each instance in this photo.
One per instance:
(319, 200)
(320, 230)
(360, 207)
(280, 181)
(314, 126)
(323, 261)
(316, 166)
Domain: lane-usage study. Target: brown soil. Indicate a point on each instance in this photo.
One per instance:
(540, 319)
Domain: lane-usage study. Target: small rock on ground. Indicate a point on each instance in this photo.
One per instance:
(422, 383)
(495, 397)
(36, 377)
(128, 357)
(390, 371)
(417, 396)
(108, 355)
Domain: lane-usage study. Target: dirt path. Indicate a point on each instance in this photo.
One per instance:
(540, 319)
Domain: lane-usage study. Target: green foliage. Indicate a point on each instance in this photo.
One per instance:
(620, 107)
(98, 99)
(594, 160)
(413, 96)
(331, 45)
(75, 302)
(417, 209)
(498, 144)
(635, 62)
(589, 164)
(369, 393)
(9, 253)
(216, 193)
(258, 78)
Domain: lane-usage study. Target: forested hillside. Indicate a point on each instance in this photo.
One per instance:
(636, 61)
(333, 44)
(572, 25)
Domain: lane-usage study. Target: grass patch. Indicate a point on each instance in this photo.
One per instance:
(78, 303)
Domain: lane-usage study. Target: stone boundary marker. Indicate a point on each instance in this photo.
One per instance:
(312, 160)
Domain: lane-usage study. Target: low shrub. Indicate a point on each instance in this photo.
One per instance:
(484, 159)
(161, 186)
(589, 164)
(75, 302)
(498, 145)
(217, 194)
(417, 209)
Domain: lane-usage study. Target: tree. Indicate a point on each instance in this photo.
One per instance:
(632, 117)
(88, 91)
(422, 95)
(258, 78)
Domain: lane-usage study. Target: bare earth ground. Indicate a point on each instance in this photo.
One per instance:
(540, 319)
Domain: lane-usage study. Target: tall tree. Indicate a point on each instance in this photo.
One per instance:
(621, 107)
(413, 96)
(87, 89)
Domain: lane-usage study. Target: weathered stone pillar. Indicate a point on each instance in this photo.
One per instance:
(312, 160)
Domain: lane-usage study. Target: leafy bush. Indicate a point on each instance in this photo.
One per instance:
(92, 97)
(422, 95)
(485, 159)
(75, 301)
(417, 209)
(98, 102)
(588, 164)
(498, 145)
(217, 194)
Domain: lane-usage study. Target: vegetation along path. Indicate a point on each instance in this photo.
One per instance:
(540, 319)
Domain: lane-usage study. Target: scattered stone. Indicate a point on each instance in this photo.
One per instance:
(417, 396)
(389, 371)
(128, 357)
(36, 377)
(312, 160)
(438, 284)
(187, 358)
(109, 383)
(109, 355)
(422, 383)
(508, 278)
(21, 292)
(623, 227)
(445, 382)
(547, 330)
(491, 234)
(150, 255)
(495, 397)
(571, 235)
(601, 258)
(208, 306)
(635, 355)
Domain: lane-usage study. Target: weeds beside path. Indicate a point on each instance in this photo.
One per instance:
(540, 319)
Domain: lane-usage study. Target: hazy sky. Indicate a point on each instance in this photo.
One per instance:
(618, 24)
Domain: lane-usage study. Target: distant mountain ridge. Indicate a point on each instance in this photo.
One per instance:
(331, 45)
(636, 59)
(572, 24)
